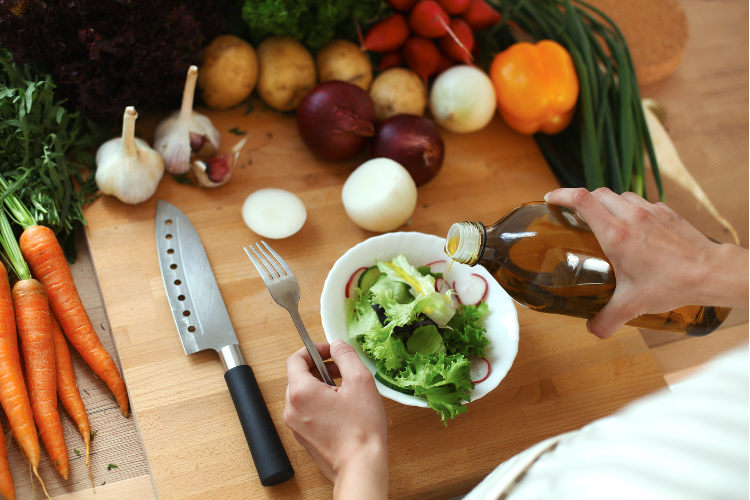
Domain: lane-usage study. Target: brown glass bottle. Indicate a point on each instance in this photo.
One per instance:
(548, 259)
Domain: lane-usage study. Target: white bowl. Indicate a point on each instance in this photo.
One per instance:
(501, 322)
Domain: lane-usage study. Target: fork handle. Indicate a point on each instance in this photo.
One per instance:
(314, 354)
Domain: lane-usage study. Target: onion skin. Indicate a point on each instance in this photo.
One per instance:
(336, 120)
(414, 142)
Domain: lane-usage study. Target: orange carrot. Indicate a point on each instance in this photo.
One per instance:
(43, 253)
(35, 330)
(6, 480)
(67, 389)
(13, 395)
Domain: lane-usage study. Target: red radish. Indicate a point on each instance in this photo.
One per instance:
(390, 60)
(450, 48)
(428, 19)
(439, 266)
(351, 285)
(472, 290)
(454, 7)
(480, 369)
(480, 15)
(455, 301)
(402, 5)
(422, 56)
(439, 284)
(387, 35)
(445, 63)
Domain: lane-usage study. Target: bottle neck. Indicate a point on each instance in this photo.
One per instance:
(465, 242)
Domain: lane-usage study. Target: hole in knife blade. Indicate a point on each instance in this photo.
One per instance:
(170, 251)
(181, 297)
(173, 266)
(191, 329)
(186, 313)
(168, 222)
(177, 282)
(169, 236)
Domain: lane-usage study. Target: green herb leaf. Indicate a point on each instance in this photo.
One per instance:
(91, 437)
(78, 453)
(111, 466)
(237, 131)
(183, 179)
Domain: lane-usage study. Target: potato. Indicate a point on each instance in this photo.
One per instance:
(342, 60)
(287, 72)
(396, 91)
(229, 72)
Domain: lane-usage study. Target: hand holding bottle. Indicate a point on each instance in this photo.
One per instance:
(661, 262)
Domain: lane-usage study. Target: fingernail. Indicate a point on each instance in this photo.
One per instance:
(588, 327)
(547, 196)
(388, 438)
(389, 421)
(336, 342)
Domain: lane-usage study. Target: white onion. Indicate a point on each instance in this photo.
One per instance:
(463, 99)
(379, 195)
(274, 213)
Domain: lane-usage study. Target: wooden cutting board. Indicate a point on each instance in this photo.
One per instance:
(562, 378)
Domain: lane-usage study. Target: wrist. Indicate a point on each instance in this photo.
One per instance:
(724, 278)
(364, 474)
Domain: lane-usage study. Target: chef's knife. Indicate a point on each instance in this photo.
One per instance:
(203, 323)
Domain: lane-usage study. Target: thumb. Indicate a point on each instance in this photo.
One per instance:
(347, 359)
(618, 311)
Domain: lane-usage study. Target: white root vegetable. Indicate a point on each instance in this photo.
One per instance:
(274, 213)
(463, 99)
(671, 166)
(379, 195)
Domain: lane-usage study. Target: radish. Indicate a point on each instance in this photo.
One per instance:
(454, 7)
(353, 282)
(472, 290)
(450, 48)
(390, 60)
(445, 63)
(439, 266)
(422, 56)
(386, 35)
(480, 369)
(480, 15)
(402, 5)
(428, 19)
(274, 213)
(439, 284)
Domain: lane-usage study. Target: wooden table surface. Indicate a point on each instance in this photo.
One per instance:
(706, 101)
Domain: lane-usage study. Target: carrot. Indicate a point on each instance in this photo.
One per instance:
(479, 15)
(13, 395)
(387, 35)
(422, 56)
(6, 480)
(43, 253)
(32, 319)
(67, 389)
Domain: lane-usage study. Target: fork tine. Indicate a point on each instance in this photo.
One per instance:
(268, 267)
(261, 269)
(278, 258)
(273, 263)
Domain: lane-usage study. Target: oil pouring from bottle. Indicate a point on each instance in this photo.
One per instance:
(548, 259)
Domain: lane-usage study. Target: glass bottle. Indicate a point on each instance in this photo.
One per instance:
(548, 259)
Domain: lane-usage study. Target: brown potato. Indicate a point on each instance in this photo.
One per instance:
(396, 91)
(343, 60)
(229, 72)
(287, 72)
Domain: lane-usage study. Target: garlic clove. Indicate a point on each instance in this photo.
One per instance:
(217, 171)
(186, 132)
(128, 168)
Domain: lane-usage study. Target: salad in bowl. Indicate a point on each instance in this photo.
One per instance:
(428, 338)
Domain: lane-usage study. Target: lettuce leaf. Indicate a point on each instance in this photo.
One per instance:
(464, 335)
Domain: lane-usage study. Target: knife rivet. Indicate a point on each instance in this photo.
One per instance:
(169, 236)
(191, 329)
(177, 282)
(181, 297)
(186, 313)
(170, 251)
(173, 266)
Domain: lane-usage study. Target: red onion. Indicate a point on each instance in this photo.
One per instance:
(414, 142)
(336, 119)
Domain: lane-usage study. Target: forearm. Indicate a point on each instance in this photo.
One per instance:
(724, 281)
(365, 476)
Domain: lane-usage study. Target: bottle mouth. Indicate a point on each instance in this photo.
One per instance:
(464, 242)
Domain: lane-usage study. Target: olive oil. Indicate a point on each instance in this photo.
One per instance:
(548, 259)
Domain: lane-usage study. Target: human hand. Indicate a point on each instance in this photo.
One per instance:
(660, 261)
(344, 429)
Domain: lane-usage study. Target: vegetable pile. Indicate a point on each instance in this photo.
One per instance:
(421, 343)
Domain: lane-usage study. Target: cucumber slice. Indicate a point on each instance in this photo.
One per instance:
(368, 279)
(391, 384)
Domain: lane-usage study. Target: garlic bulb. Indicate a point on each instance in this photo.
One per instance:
(186, 132)
(217, 171)
(126, 167)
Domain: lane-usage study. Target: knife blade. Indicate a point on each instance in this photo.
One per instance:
(203, 323)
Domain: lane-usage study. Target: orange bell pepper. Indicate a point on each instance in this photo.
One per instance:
(536, 86)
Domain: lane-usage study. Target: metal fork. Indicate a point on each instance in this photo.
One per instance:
(284, 288)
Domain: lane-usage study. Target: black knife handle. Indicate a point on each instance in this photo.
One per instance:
(268, 452)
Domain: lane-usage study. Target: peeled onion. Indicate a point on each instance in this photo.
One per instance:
(379, 195)
(274, 213)
(463, 99)
(336, 120)
(412, 141)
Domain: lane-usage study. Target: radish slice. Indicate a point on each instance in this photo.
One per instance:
(274, 213)
(439, 266)
(480, 369)
(471, 290)
(439, 284)
(455, 301)
(351, 285)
